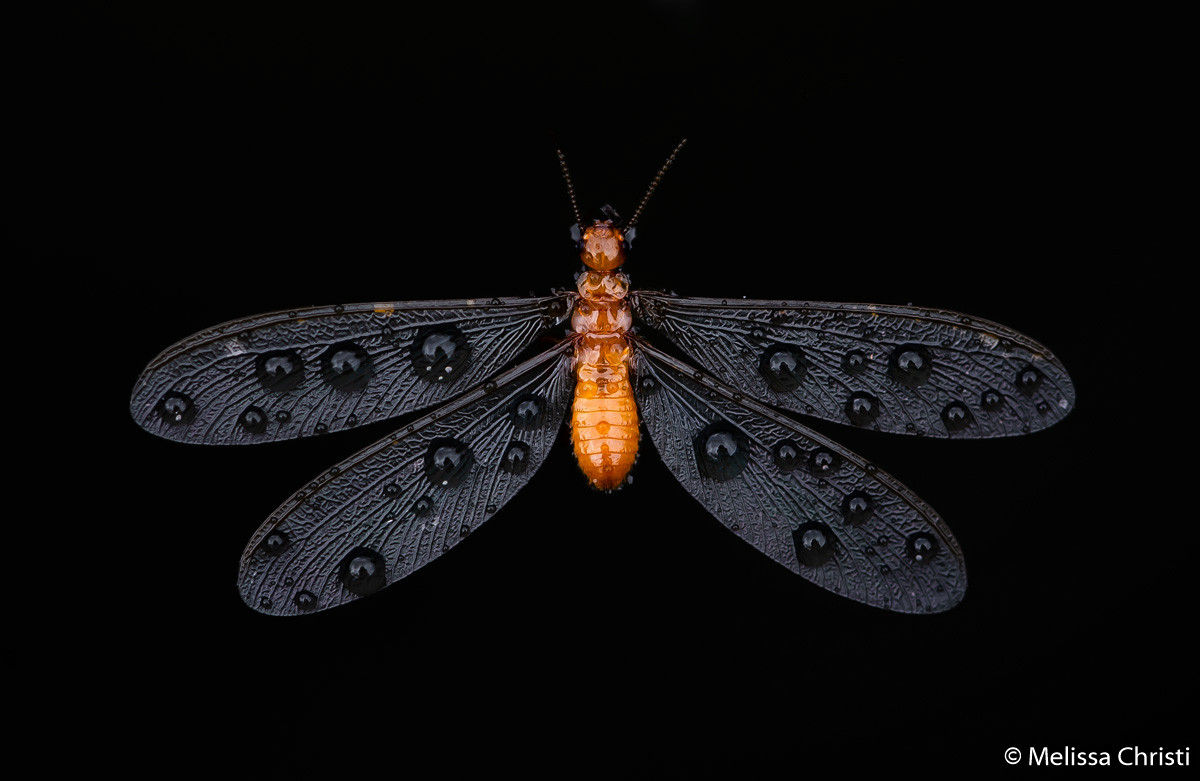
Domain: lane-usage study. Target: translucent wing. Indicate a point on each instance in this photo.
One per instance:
(900, 369)
(805, 501)
(310, 371)
(397, 505)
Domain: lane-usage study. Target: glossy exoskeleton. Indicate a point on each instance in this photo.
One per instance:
(802, 499)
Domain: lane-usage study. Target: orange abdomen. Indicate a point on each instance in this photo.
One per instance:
(604, 422)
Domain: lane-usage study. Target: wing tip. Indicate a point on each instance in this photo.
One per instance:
(943, 598)
(300, 602)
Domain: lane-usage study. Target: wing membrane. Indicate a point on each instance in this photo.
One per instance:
(805, 501)
(310, 371)
(899, 369)
(397, 505)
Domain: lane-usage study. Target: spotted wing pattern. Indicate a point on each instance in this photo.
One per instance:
(899, 369)
(310, 371)
(402, 502)
(802, 499)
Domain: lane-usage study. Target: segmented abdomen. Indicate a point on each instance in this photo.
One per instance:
(604, 422)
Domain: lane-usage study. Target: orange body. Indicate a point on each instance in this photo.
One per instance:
(604, 421)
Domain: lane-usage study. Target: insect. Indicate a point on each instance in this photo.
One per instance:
(797, 496)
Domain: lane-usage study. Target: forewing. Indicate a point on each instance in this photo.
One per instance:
(901, 369)
(805, 501)
(311, 371)
(397, 505)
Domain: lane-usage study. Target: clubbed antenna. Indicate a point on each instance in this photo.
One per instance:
(657, 178)
(562, 161)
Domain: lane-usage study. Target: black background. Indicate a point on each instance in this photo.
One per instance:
(181, 167)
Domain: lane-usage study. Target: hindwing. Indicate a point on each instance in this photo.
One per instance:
(397, 505)
(803, 500)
